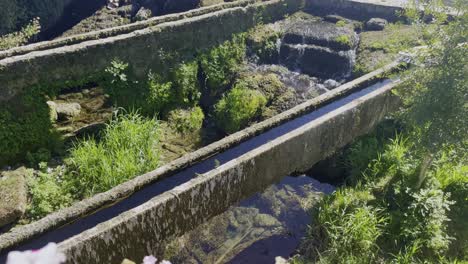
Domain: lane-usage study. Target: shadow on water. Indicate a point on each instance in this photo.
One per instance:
(72, 15)
(157, 188)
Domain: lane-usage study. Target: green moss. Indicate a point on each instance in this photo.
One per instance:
(343, 40)
(238, 108)
(378, 48)
(341, 23)
(262, 41)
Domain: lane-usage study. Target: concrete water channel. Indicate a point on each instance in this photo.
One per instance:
(141, 216)
(76, 239)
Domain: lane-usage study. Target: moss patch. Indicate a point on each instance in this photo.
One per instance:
(378, 48)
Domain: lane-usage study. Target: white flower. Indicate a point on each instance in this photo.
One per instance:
(46, 255)
(149, 260)
(165, 262)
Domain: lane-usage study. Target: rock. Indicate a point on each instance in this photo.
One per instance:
(66, 111)
(319, 49)
(143, 14)
(317, 61)
(52, 111)
(331, 84)
(376, 24)
(280, 260)
(334, 18)
(127, 261)
(14, 195)
(322, 34)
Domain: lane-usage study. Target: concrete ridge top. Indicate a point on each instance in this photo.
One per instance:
(123, 29)
(81, 209)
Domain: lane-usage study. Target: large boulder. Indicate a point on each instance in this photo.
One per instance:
(13, 194)
(66, 111)
(376, 24)
(319, 49)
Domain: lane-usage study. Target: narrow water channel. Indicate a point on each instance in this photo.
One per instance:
(267, 225)
(157, 188)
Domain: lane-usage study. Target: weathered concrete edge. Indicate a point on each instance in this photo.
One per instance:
(143, 49)
(113, 31)
(356, 9)
(175, 212)
(21, 234)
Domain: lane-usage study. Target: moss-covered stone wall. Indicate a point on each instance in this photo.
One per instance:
(25, 80)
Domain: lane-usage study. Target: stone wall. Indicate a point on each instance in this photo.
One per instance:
(357, 9)
(190, 204)
(143, 49)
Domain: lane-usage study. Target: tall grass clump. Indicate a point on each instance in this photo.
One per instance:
(128, 147)
(346, 226)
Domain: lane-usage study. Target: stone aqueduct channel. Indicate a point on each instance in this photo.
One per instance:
(137, 217)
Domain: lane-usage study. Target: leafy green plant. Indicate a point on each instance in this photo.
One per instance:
(47, 193)
(186, 121)
(221, 63)
(239, 107)
(128, 147)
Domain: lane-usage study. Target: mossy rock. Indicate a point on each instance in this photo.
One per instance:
(14, 195)
(378, 48)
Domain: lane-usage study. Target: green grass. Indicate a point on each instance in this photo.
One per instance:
(128, 147)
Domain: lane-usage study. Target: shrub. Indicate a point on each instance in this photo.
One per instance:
(239, 107)
(47, 193)
(221, 63)
(186, 121)
(25, 126)
(186, 85)
(128, 147)
(158, 94)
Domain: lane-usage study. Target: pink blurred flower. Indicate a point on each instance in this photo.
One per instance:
(149, 260)
(46, 255)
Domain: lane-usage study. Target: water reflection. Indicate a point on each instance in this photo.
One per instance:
(258, 229)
